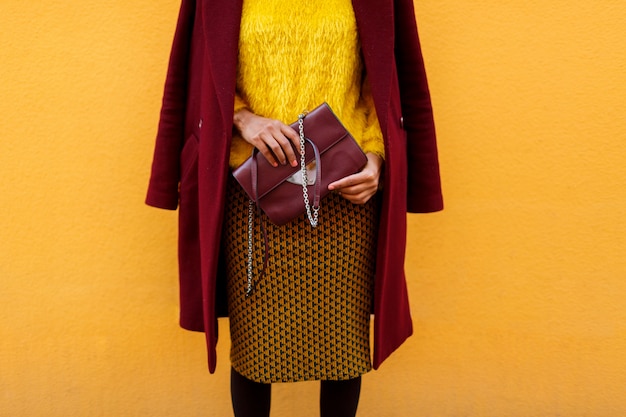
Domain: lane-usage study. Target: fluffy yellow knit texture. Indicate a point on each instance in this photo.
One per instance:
(294, 55)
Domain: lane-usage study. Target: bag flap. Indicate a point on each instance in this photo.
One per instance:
(321, 126)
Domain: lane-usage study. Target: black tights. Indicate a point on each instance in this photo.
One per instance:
(252, 399)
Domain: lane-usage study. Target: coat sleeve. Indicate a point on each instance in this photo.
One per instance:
(424, 184)
(165, 176)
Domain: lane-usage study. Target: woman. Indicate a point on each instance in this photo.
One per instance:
(239, 72)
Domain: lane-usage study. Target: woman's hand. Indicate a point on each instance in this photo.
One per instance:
(271, 137)
(360, 187)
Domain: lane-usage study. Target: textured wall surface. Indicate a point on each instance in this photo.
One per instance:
(518, 289)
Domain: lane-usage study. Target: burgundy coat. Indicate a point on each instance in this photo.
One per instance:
(190, 166)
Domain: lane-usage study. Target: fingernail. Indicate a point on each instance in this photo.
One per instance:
(294, 163)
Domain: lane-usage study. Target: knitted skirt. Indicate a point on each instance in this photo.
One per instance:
(308, 317)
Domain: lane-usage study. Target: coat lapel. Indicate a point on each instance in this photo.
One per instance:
(221, 21)
(375, 24)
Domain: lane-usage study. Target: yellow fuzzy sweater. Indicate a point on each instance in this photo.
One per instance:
(294, 55)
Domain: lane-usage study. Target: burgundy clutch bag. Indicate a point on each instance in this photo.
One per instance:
(283, 192)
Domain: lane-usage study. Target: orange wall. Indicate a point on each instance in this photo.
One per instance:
(517, 289)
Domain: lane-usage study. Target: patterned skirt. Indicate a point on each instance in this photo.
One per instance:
(308, 317)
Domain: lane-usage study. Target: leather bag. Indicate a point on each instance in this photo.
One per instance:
(330, 153)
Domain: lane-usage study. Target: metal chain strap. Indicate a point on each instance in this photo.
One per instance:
(250, 244)
(311, 212)
(314, 213)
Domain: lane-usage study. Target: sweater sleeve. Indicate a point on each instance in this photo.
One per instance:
(240, 103)
(372, 139)
(240, 150)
